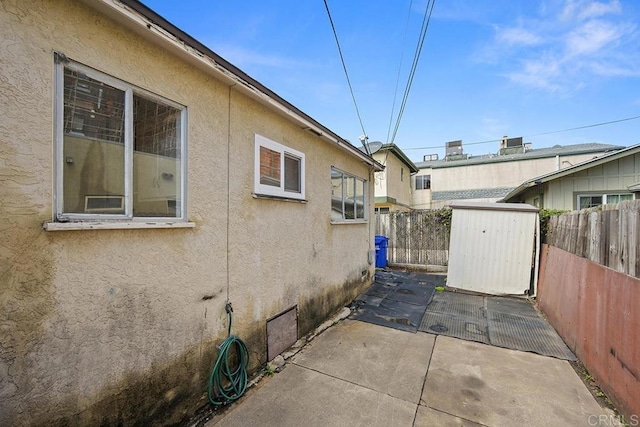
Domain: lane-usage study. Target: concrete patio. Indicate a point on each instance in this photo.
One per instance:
(357, 373)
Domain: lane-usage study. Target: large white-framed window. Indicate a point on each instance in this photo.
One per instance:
(279, 170)
(590, 200)
(120, 150)
(348, 198)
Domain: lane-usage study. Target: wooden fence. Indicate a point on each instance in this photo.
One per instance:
(416, 238)
(607, 235)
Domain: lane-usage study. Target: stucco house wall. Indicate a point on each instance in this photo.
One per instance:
(393, 185)
(119, 326)
(394, 182)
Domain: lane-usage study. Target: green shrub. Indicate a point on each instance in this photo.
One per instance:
(545, 216)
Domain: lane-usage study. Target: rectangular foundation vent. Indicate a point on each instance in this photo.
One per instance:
(282, 332)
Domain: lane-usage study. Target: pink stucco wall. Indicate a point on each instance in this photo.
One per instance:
(596, 310)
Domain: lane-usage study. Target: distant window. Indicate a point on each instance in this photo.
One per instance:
(347, 196)
(538, 202)
(423, 182)
(382, 210)
(279, 170)
(401, 174)
(591, 200)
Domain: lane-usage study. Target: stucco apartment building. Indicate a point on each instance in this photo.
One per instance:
(489, 178)
(145, 182)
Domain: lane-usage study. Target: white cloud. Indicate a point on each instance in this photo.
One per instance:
(517, 36)
(619, 68)
(540, 73)
(563, 52)
(593, 36)
(581, 10)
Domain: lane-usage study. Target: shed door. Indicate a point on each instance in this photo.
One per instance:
(492, 250)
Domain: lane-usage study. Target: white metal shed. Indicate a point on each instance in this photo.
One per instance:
(492, 247)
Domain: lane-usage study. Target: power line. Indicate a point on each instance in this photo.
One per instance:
(344, 67)
(395, 92)
(423, 32)
(532, 135)
(586, 126)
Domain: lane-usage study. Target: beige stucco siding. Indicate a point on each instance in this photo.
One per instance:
(395, 180)
(507, 174)
(421, 199)
(114, 325)
(499, 174)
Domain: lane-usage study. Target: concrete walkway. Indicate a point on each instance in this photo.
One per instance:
(360, 374)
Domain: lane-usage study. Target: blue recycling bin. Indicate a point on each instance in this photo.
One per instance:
(381, 251)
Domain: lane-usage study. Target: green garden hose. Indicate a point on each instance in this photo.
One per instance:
(227, 384)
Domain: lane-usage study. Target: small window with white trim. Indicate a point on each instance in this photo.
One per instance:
(591, 200)
(120, 150)
(279, 170)
(348, 199)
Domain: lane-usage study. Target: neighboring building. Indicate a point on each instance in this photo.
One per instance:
(393, 184)
(611, 178)
(489, 178)
(144, 182)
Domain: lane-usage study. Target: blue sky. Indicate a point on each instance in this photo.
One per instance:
(488, 68)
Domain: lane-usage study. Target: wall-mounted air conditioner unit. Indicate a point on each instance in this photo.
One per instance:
(104, 204)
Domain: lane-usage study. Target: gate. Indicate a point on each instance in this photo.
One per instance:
(417, 238)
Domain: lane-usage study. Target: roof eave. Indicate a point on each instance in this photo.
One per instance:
(400, 155)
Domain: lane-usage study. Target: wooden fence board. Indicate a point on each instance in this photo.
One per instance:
(415, 238)
(608, 235)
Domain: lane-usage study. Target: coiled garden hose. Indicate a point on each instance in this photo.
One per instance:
(227, 384)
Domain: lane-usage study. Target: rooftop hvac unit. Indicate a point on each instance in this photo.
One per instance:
(454, 148)
(514, 142)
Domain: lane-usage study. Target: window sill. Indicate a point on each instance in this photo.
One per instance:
(112, 225)
(355, 221)
(279, 198)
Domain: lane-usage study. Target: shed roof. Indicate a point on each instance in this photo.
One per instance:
(514, 207)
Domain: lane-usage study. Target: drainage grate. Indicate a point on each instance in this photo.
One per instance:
(504, 322)
(526, 333)
(459, 304)
(455, 325)
(511, 306)
(408, 301)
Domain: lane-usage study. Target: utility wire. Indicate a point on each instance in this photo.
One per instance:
(344, 67)
(535, 134)
(395, 92)
(416, 57)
